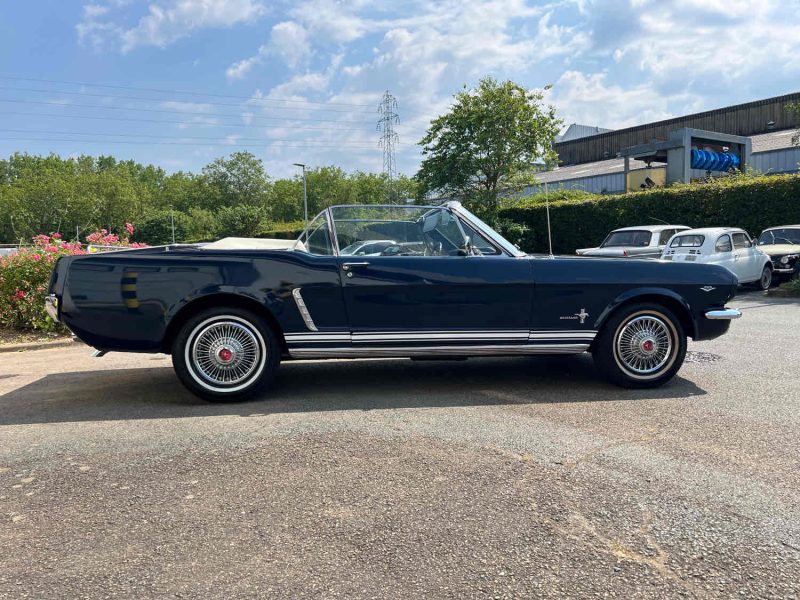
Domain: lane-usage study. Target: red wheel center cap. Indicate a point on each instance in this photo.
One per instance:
(648, 345)
(225, 355)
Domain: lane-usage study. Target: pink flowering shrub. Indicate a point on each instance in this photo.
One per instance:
(23, 282)
(24, 277)
(104, 238)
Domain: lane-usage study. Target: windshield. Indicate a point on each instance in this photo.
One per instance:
(627, 238)
(784, 235)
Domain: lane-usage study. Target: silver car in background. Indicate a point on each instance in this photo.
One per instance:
(645, 241)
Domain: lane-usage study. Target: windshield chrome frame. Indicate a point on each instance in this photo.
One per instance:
(453, 206)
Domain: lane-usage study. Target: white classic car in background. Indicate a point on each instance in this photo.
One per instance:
(727, 246)
(647, 241)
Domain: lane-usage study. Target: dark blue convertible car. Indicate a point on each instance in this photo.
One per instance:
(385, 281)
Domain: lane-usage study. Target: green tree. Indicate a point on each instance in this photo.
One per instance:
(156, 228)
(237, 180)
(240, 221)
(794, 108)
(487, 144)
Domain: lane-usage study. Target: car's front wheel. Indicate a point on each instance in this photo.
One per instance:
(225, 354)
(640, 346)
(765, 282)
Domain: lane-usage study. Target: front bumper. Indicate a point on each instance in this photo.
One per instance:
(51, 306)
(723, 314)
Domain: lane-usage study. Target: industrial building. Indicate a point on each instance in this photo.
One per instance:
(755, 136)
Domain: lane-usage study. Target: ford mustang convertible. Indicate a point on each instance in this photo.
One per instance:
(437, 282)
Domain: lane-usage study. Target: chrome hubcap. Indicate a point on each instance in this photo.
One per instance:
(226, 353)
(644, 345)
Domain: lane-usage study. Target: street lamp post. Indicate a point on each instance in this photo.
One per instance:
(172, 221)
(305, 201)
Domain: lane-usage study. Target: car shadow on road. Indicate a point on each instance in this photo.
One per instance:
(156, 393)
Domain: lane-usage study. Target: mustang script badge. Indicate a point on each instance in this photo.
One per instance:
(583, 315)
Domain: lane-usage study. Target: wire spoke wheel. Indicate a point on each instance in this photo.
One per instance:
(645, 345)
(226, 352)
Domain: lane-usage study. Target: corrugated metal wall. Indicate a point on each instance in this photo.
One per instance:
(777, 161)
(598, 184)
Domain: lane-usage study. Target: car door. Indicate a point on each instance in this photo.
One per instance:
(441, 298)
(724, 255)
(747, 256)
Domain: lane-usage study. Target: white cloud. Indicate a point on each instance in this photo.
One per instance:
(591, 100)
(290, 41)
(165, 21)
(684, 42)
(242, 68)
(188, 107)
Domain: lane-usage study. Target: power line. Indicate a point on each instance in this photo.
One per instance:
(167, 121)
(169, 137)
(310, 145)
(174, 112)
(165, 91)
(125, 97)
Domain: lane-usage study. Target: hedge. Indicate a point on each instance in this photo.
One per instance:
(282, 231)
(752, 203)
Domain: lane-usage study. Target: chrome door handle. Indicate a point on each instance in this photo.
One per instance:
(353, 265)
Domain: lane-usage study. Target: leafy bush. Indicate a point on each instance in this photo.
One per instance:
(752, 203)
(553, 195)
(240, 221)
(23, 282)
(156, 227)
(203, 226)
(793, 287)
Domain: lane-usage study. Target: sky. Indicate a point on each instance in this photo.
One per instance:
(178, 83)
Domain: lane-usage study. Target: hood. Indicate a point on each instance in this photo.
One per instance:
(780, 249)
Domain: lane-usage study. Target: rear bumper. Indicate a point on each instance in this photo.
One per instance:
(716, 323)
(723, 314)
(51, 306)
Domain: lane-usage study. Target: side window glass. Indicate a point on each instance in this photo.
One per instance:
(740, 241)
(319, 238)
(723, 244)
(665, 235)
(478, 241)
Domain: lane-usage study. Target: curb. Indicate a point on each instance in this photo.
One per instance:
(38, 345)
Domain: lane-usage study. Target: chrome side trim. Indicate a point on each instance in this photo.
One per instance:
(404, 352)
(301, 306)
(444, 336)
(723, 314)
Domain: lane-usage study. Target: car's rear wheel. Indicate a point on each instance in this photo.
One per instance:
(225, 354)
(640, 346)
(765, 281)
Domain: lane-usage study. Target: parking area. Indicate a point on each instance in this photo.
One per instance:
(489, 478)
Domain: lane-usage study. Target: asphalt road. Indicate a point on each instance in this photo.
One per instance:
(524, 477)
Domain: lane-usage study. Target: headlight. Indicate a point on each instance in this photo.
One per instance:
(785, 260)
(789, 258)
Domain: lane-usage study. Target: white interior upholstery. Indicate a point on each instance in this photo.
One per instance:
(239, 243)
